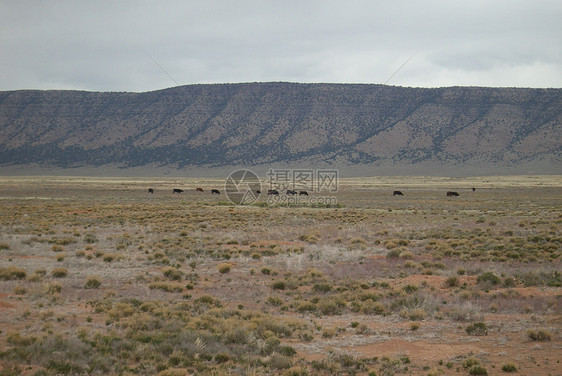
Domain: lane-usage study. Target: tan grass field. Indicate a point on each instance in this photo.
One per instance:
(97, 276)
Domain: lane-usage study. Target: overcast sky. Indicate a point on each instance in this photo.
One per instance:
(148, 45)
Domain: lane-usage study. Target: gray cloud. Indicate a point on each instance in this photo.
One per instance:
(106, 45)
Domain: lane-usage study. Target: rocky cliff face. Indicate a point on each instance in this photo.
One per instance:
(263, 123)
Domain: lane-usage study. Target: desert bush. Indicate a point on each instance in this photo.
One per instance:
(452, 282)
(92, 283)
(406, 255)
(331, 306)
(509, 367)
(539, 335)
(12, 272)
(222, 357)
(16, 339)
(279, 285)
(110, 257)
(552, 279)
(322, 287)
(470, 362)
(274, 301)
(172, 273)
(166, 286)
(20, 290)
(488, 279)
(278, 361)
(224, 268)
(57, 248)
(477, 329)
(413, 314)
(54, 288)
(393, 253)
(373, 308)
(509, 282)
(408, 289)
(477, 370)
(4, 246)
(59, 272)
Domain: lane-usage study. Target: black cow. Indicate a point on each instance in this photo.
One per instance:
(303, 193)
(273, 192)
(398, 193)
(199, 189)
(150, 190)
(258, 192)
(215, 192)
(473, 189)
(291, 192)
(177, 190)
(452, 194)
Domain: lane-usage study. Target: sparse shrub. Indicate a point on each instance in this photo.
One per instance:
(278, 361)
(509, 282)
(279, 285)
(110, 257)
(477, 329)
(488, 278)
(54, 288)
(222, 358)
(166, 286)
(4, 246)
(266, 270)
(413, 314)
(509, 367)
(16, 339)
(414, 326)
(172, 273)
(539, 335)
(92, 283)
(477, 370)
(331, 306)
(20, 290)
(408, 289)
(452, 282)
(470, 362)
(59, 272)
(224, 268)
(393, 253)
(373, 308)
(274, 301)
(406, 255)
(12, 272)
(57, 248)
(322, 287)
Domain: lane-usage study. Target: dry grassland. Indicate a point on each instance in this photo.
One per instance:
(99, 277)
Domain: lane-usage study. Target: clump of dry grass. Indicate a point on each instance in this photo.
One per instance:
(12, 272)
(59, 272)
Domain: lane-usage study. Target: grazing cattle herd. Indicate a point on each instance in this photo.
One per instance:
(291, 192)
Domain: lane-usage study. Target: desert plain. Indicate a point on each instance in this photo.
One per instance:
(98, 276)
